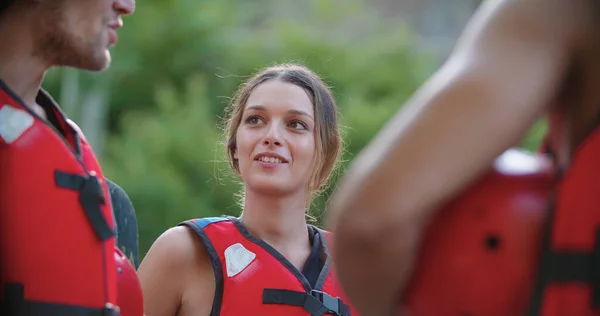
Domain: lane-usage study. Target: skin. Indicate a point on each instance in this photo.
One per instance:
(509, 69)
(38, 35)
(176, 275)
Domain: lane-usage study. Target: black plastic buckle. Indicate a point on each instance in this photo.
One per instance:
(331, 303)
(92, 186)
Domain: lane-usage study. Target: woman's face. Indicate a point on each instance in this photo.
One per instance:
(275, 139)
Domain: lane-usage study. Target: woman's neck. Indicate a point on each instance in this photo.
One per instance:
(279, 221)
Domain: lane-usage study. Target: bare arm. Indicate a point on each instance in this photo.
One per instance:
(176, 267)
(501, 77)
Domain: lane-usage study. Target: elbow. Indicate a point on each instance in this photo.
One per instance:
(375, 229)
(368, 231)
(369, 218)
(373, 237)
(372, 253)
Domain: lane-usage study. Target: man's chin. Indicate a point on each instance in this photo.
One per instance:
(97, 64)
(89, 65)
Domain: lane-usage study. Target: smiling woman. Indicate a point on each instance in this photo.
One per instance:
(274, 144)
(303, 104)
(283, 141)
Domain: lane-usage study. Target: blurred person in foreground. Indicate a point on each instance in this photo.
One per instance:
(283, 141)
(59, 255)
(516, 62)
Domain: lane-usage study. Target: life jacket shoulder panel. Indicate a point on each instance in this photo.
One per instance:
(56, 224)
(570, 267)
(254, 279)
(516, 244)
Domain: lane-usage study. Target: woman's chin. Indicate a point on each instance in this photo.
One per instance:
(270, 188)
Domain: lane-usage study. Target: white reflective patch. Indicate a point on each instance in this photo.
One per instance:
(519, 162)
(237, 258)
(13, 123)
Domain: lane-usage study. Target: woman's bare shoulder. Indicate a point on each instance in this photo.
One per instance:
(172, 270)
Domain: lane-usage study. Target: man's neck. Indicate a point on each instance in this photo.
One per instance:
(20, 69)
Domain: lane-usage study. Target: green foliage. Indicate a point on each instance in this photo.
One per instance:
(170, 161)
(534, 137)
(169, 92)
(177, 64)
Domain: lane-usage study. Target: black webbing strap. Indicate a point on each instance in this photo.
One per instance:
(568, 267)
(91, 196)
(317, 303)
(14, 304)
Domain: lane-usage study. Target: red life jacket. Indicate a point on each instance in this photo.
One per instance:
(129, 289)
(546, 261)
(252, 278)
(568, 282)
(480, 253)
(56, 225)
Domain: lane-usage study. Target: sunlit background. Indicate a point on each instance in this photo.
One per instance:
(153, 117)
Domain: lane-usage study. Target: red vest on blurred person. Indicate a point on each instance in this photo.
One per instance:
(520, 241)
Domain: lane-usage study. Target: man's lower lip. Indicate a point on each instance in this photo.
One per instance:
(112, 36)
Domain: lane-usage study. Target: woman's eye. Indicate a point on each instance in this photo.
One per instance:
(252, 120)
(298, 125)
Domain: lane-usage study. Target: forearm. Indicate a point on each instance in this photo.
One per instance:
(421, 158)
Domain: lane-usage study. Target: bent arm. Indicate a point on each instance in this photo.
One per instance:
(160, 274)
(499, 80)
